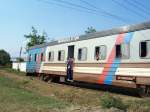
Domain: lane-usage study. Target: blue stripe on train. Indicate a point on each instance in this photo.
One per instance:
(111, 74)
(112, 71)
(128, 37)
(32, 66)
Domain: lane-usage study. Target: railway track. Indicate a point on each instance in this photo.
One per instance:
(96, 87)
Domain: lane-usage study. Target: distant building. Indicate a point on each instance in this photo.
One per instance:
(16, 65)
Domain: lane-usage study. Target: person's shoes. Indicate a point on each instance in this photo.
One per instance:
(68, 80)
(71, 80)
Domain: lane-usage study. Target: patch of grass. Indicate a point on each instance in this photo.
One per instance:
(108, 101)
(10, 70)
(24, 82)
(139, 105)
(13, 96)
(21, 94)
(76, 96)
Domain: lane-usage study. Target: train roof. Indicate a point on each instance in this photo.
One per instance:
(113, 31)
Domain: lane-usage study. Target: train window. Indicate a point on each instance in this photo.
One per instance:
(125, 50)
(30, 58)
(61, 55)
(82, 54)
(145, 49)
(118, 51)
(122, 51)
(79, 54)
(42, 57)
(51, 56)
(35, 57)
(100, 52)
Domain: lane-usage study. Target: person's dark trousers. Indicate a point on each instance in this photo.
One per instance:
(70, 74)
(67, 73)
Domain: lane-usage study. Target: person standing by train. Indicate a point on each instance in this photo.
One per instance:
(70, 64)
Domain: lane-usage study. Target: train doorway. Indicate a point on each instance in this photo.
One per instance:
(70, 63)
(70, 51)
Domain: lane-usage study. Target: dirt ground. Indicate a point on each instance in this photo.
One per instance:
(80, 99)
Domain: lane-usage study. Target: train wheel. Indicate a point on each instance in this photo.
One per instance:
(50, 79)
(147, 90)
(41, 76)
(45, 77)
(27, 74)
(144, 91)
(56, 79)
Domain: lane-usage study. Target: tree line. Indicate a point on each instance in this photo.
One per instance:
(34, 39)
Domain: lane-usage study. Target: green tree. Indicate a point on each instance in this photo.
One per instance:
(4, 58)
(35, 38)
(20, 59)
(90, 30)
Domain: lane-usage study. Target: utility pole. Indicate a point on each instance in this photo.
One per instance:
(20, 52)
(19, 58)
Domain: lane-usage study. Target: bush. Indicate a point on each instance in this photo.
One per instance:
(20, 59)
(4, 58)
(108, 101)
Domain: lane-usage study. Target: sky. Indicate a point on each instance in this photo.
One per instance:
(64, 18)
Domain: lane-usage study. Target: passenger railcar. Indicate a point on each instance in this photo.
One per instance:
(119, 57)
(36, 56)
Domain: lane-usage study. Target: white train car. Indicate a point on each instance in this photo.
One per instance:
(119, 57)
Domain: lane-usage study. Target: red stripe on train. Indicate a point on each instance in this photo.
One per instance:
(111, 58)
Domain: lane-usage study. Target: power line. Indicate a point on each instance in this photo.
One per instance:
(127, 8)
(118, 3)
(74, 8)
(134, 4)
(64, 6)
(102, 10)
(75, 5)
(92, 11)
(142, 5)
(95, 10)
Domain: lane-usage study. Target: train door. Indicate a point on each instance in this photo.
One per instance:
(70, 63)
(71, 51)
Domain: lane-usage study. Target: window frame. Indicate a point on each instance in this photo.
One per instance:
(30, 58)
(122, 57)
(35, 57)
(99, 52)
(60, 55)
(140, 50)
(116, 51)
(41, 57)
(50, 59)
(81, 54)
